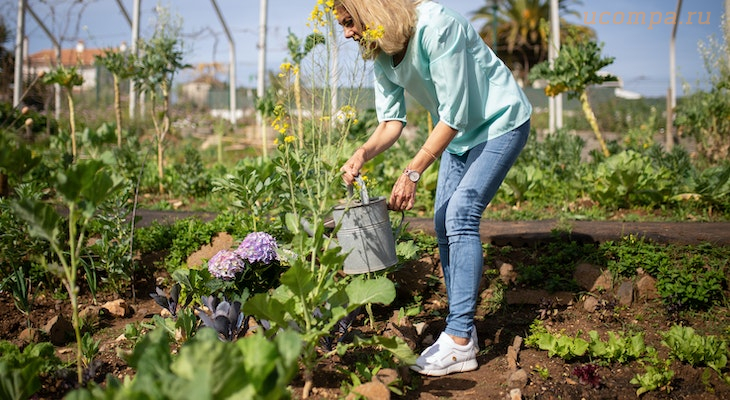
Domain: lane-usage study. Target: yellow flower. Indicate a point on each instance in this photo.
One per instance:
(289, 138)
(373, 34)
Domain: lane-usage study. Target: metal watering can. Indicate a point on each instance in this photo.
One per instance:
(365, 233)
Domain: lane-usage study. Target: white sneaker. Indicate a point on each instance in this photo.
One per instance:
(446, 357)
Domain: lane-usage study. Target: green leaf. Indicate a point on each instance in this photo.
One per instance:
(364, 291)
(299, 280)
(207, 368)
(43, 221)
(19, 382)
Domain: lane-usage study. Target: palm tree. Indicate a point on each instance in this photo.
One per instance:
(522, 36)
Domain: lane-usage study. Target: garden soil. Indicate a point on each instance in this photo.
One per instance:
(506, 366)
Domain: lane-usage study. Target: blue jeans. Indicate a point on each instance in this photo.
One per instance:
(466, 185)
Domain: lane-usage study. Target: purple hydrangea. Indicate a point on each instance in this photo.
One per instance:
(258, 247)
(225, 264)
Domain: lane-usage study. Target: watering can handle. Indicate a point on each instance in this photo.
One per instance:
(364, 198)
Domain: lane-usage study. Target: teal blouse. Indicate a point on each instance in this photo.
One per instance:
(449, 70)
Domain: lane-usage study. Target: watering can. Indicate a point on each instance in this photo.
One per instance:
(365, 233)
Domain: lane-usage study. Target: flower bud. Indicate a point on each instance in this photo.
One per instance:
(24, 110)
(29, 122)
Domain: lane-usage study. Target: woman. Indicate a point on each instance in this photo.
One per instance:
(482, 123)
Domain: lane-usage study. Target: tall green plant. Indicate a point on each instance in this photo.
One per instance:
(161, 59)
(298, 51)
(121, 66)
(81, 188)
(705, 115)
(67, 79)
(573, 71)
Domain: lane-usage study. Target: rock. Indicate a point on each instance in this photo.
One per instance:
(507, 272)
(406, 332)
(646, 288)
(222, 241)
(604, 282)
(90, 315)
(517, 379)
(625, 293)
(386, 376)
(59, 330)
(513, 352)
(515, 394)
(29, 335)
(118, 308)
(512, 358)
(371, 391)
(586, 275)
(590, 304)
(420, 327)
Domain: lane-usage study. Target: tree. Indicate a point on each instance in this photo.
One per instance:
(573, 71)
(160, 59)
(121, 66)
(521, 34)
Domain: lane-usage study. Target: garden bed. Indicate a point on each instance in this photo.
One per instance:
(541, 376)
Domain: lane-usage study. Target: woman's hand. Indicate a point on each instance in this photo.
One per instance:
(403, 196)
(352, 167)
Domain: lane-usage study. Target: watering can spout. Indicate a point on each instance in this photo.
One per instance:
(364, 198)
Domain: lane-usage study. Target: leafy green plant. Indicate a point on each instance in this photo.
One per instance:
(113, 249)
(189, 177)
(205, 367)
(254, 188)
(89, 349)
(632, 252)
(629, 179)
(691, 284)
(554, 262)
(618, 348)
(20, 371)
(303, 290)
(82, 188)
(655, 377)
(688, 346)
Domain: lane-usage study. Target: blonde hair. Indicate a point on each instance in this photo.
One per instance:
(395, 18)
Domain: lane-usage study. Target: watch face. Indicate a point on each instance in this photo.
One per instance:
(414, 176)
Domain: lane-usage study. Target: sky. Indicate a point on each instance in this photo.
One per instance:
(641, 50)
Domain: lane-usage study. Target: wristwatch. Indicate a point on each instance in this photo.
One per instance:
(412, 174)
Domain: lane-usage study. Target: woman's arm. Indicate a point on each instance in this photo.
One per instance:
(382, 138)
(403, 195)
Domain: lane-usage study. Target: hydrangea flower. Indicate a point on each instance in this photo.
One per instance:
(258, 247)
(226, 264)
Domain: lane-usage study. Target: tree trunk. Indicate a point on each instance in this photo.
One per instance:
(118, 110)
(588, 111)
(4, 186)
(71, 117)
